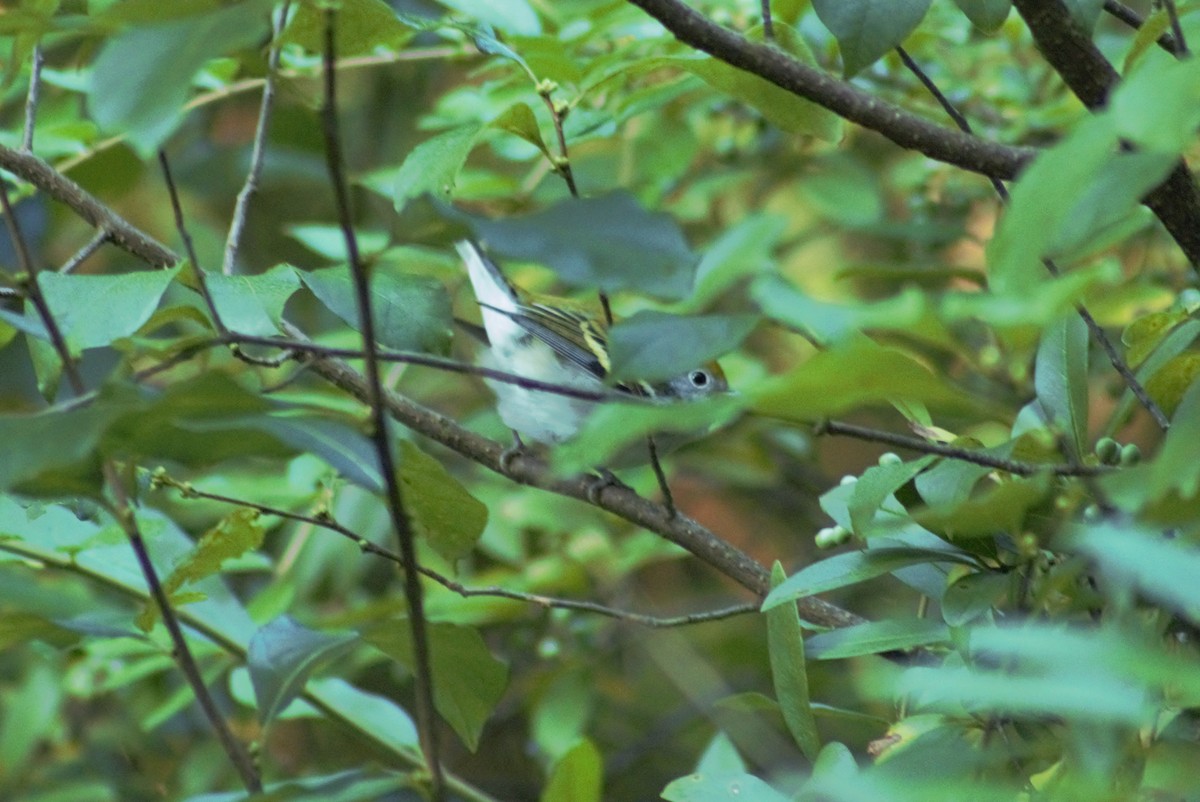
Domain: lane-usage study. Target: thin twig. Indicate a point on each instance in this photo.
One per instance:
(768, 21)
(125, 516)
(31, 99)
(440, 363)
(258, 152)
(1127, 15)
(189, 248)
(325, 521)
(422, 669)
(85, 253)
(1015, 467)
(1181, 48)
(1094, 328)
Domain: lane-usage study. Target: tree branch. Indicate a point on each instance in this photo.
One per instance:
(1070, 51)
(897, 124)
(413, 592)
(84, 204)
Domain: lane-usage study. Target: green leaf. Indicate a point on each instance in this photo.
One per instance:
(518, 119)
(1060, 376)
(561, 714)
(198, 421)
(781, 108)
(852, 374)
(142, 77)
(1085, 12)
(83, 306)
(412, 313)
(469, 681)
(843, 190)
(281, 657)
(1112, 199)
(867, 29)
(361, 27)
(875, 637)
(433, 166)
(253, 304)
(1158, 106)
(721, 788)
(1174, 471)
(378, 715)
(655, 345)
(785, 642)
(608, 242)
(1042, 201)
(828, 322)
(986, 15)
(441, 510)
(1160, 567)
(721, 757)
(344, 448)
(233, 536)
(511, 16)
(973, 596)
(355, 785)
(1083, 674)
(330, 240)
(55, 453)
(577, 776)
(875, 485)
(1002, 508)
(1171, 381)
(614, 435)
(851, 568)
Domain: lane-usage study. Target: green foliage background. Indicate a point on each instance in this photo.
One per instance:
(1024, 563)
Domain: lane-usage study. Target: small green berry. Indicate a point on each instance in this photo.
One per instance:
(831, 536)
(889, 458)
(1130, 454)
(1108, 450)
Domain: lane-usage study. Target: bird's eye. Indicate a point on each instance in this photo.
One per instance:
(698, 378)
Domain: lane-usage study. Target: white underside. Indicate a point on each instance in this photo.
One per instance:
(538, 415)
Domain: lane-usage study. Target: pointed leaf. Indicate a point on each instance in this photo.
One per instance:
(449, 518)
(867, 29)
(608, 242)
(412, 313)
(721, 788)
(253, 304)
(875, 637)
(83, 306)
(851, 568)
(986, 15)
(281, 657)
(142, 76)
(433, 166)
(1060, 377)
(469, 680)
(655, 345)
(785, 642)
(577, 776)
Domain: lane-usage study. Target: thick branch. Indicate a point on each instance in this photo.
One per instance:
(1070, 51)
(84, 204)
(902, 127)
(623, 502)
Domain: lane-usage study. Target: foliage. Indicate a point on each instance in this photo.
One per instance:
(1010, 307)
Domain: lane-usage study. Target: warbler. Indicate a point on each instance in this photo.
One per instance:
(549, 340)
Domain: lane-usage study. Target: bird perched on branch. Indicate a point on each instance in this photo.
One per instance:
(551, 340)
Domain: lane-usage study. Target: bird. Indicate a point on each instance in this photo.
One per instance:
(554, 340)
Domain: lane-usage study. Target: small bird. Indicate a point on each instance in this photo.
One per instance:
(549, 340)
